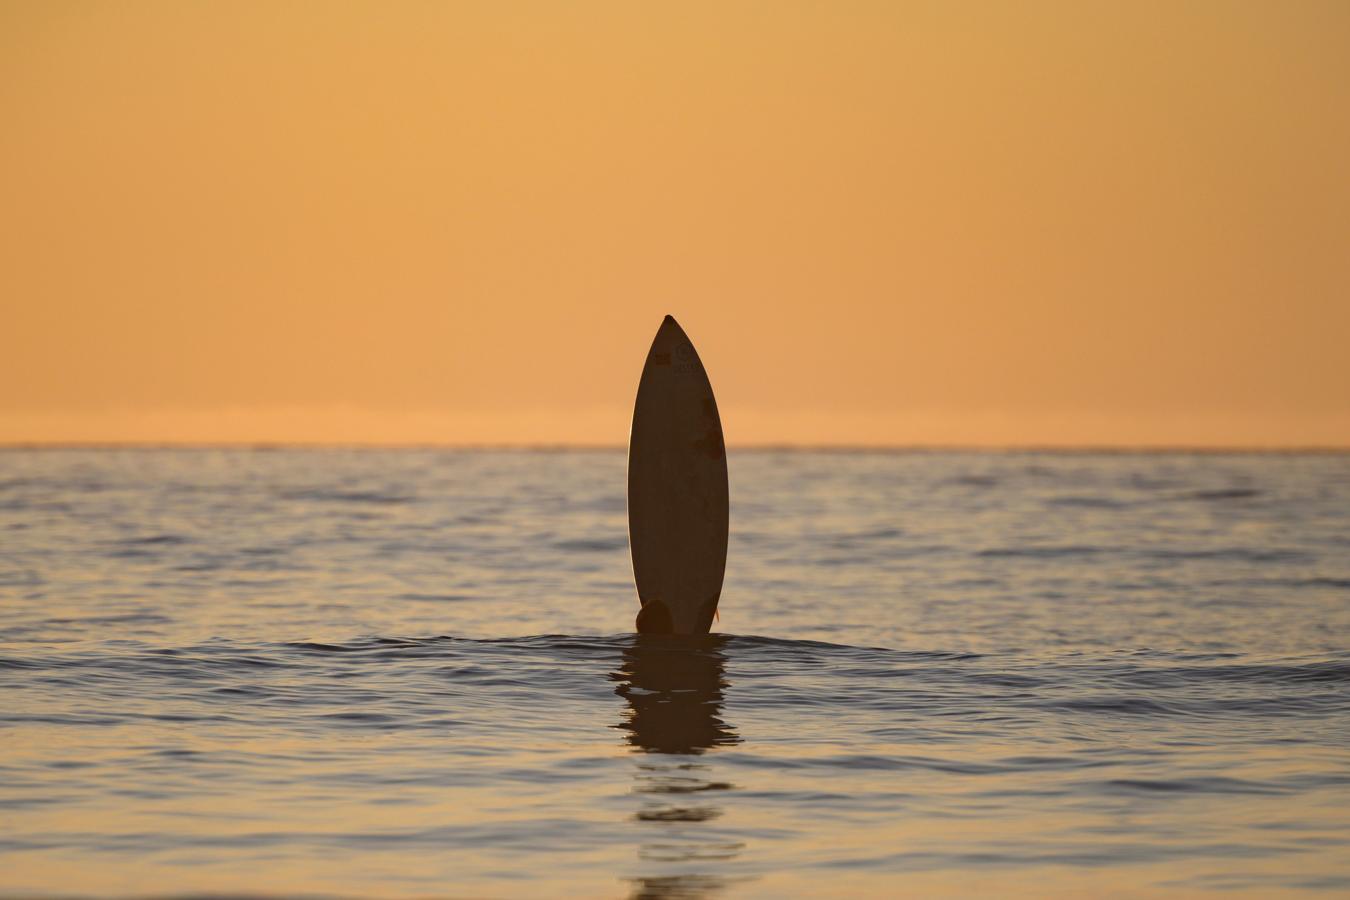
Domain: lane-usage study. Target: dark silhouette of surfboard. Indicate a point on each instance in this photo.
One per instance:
(677, 490)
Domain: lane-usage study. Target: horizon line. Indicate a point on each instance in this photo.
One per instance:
(768, 446)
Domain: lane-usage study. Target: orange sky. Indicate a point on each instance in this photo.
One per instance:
(889, 222)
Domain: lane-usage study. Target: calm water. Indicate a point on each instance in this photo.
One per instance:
(407, 673)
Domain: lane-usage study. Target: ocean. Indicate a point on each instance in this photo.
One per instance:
(411, 673)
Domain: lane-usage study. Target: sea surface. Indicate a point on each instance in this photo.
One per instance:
(411, 673)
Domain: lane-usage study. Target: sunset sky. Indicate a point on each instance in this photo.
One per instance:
(881, 223)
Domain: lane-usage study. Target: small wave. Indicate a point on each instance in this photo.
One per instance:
(1231, 554)
(1083, 502)
(136, 618)
(875, 534)
(436, 598)
(360, 718)
(366, 644)
(1321, 671)
(7, 484)
(1201, 785)
(756, 647)
(1315, 581)
(326, 496)
(317, 647)
(70, 719)
(979, 481)
(27, 578)
(1224, 494)
(1323, 582)
(33, 506)
(600, 545)
(202, 566)
(879, 762)
(1054, 552)
(1113, 706)
(156, 540)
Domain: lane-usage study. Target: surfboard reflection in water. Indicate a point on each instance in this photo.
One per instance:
(674, 687)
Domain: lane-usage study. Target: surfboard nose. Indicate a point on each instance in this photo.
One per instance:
(670, 330)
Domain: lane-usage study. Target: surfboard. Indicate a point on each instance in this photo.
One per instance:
(677, 489)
